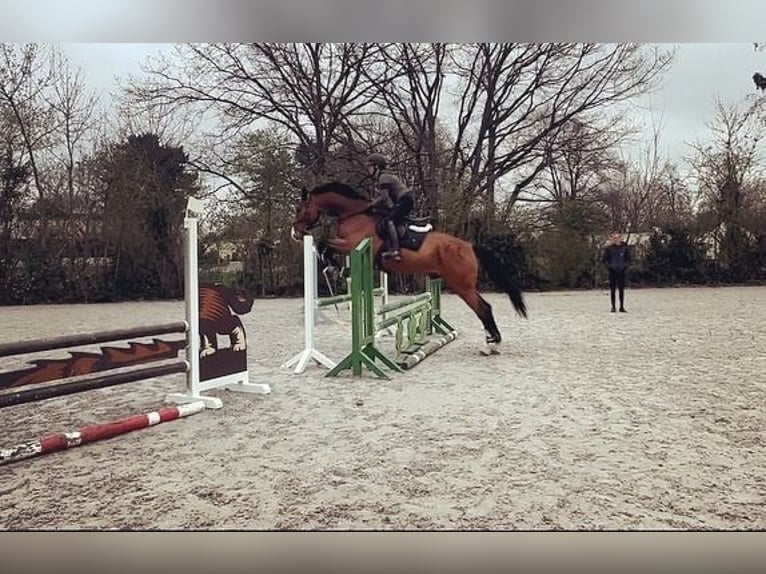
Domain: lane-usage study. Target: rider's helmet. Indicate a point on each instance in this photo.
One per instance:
(378, 160)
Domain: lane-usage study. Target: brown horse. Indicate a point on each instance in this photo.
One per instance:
(454, 259)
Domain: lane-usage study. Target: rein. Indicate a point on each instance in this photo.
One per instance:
(349, 214)
(342, 215)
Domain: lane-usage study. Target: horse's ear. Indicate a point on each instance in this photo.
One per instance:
(304, 194)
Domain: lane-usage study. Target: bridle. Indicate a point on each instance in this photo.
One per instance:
(316, 223)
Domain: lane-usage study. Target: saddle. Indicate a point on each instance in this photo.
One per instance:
(412, 232)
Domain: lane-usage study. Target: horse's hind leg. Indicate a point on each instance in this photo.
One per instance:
(483, 311)
(459, 269)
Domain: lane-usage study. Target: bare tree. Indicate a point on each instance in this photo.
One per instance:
(413, 96)
(73, 112)
(170, 124)
(726, 170)
(723, 166)
(514, 97)
(580, 157)
(310, 90)
(46, 120)
(646, 192)
(758, 100)
(26, 74)
(759, 79)
(50, 114)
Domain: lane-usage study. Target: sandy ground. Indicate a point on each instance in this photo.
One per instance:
(652, 419)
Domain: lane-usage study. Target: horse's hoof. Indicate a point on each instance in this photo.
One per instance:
(490, 349)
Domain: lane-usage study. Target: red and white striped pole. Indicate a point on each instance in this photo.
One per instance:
(56, 442)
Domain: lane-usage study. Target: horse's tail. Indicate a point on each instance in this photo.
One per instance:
(502, 277)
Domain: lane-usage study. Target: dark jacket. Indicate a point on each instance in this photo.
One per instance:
(617, 257)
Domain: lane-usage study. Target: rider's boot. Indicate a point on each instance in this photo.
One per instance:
(393, 242)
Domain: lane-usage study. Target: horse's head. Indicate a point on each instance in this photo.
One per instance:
(307, 215)
(333, 199)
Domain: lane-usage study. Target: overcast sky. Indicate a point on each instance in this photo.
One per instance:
(700, 73)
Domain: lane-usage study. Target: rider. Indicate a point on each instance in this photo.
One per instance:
(394, 199)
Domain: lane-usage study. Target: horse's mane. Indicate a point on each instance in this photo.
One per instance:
(339, 188)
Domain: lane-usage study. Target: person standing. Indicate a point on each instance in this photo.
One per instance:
(617, 259)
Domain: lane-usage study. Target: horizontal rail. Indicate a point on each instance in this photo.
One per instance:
(404, 314)
(412, 359)
(342, 298)
(93, 433)
(35, 345)
(327, 301)
(419, 298)
(94, 381)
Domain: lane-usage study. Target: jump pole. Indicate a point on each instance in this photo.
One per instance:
(310, 292)
(194, 385)
(311, 309)
(96, 380)
(422, 312)
(93, 433)
(51, 343)
(232, 376)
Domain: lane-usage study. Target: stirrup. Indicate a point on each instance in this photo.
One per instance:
(395, 255)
